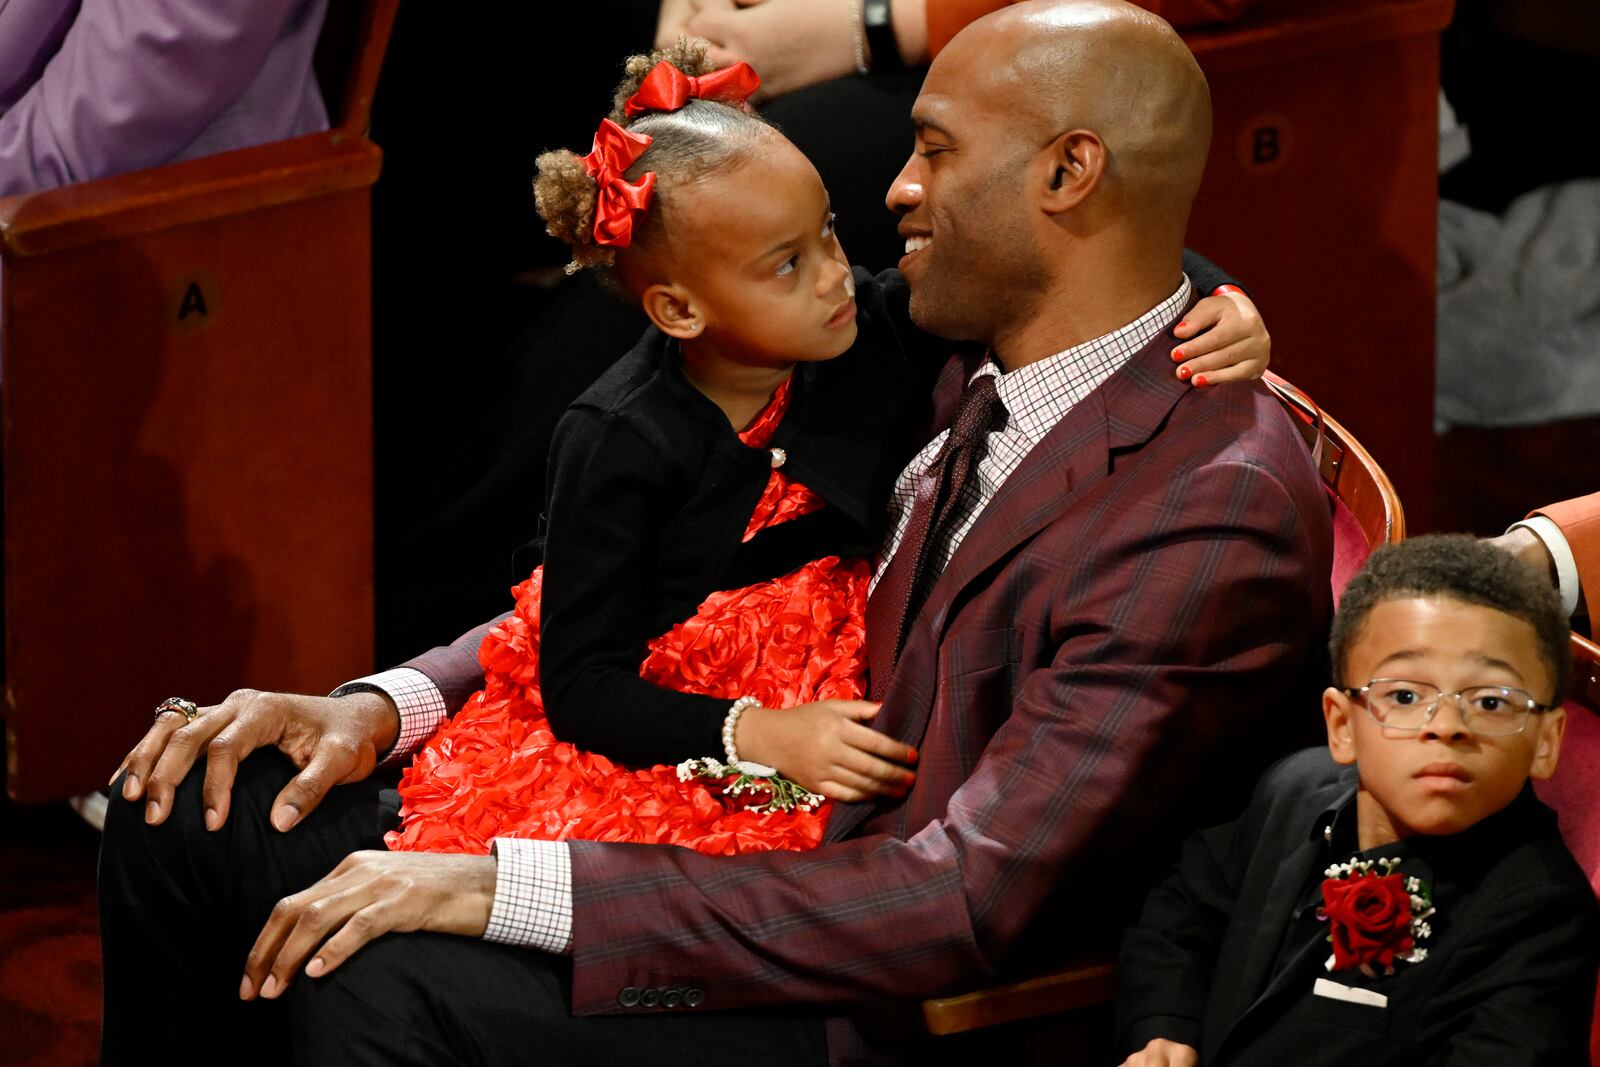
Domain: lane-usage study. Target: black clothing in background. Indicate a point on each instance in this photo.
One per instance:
(1528, 104)
(465, 103)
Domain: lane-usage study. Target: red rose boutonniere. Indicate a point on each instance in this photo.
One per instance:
(1374, 916)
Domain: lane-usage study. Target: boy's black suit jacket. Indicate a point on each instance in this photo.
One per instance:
(1228, 949)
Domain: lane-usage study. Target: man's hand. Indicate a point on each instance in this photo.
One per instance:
(825, 748)
(672, 21)
(1163, 1053)
(790, 43)
(1229, 341)
(332, 740)
(369, 894)
(1522, 543)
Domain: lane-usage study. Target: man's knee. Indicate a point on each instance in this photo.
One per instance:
(258, 780)
(382, 1005)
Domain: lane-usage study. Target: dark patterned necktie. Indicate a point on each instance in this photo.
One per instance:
(915, 567)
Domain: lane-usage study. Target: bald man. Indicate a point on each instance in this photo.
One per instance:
(1100, 591)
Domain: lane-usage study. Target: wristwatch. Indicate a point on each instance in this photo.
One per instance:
(880, 37)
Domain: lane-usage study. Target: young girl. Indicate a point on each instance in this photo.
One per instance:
(714, 500)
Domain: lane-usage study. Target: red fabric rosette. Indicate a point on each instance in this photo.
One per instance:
(496, 769)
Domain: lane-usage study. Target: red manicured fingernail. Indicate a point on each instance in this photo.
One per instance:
(1199, 379)
(913, 754)
(1182, 324)
(1183, 372)
(1177, 355)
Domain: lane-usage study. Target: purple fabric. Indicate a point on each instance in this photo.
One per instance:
(92, 88)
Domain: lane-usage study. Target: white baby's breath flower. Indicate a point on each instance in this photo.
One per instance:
(755, 770)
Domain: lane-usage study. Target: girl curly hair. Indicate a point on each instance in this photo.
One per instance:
(687, 143)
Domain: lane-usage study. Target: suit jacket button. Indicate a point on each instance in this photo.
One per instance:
(629, 997)
(671, 998)
(649, 997)
(693, 998)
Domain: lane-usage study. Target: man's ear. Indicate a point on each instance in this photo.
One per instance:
(1337, 710)
(1075, 162)
(673, 311)
(1547, 749)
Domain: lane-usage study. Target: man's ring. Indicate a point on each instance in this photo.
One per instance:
(187, 708)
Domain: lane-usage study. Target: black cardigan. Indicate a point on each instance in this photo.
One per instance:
(651, 490)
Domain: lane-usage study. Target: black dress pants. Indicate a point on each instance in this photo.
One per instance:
(180, 907)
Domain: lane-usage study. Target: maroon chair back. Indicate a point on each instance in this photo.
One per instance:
(1574, 790)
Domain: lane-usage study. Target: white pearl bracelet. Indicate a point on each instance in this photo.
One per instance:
(731, 723)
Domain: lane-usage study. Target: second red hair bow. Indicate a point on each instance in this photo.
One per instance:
(617, 199)
(666, 88)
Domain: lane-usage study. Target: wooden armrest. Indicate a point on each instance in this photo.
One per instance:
(1086, 981)
(192, 191)
(1586, 670)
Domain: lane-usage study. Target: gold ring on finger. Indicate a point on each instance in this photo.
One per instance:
(187, 708)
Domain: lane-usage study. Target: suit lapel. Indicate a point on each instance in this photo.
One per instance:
(1257, 984)
(1074, 456)
(1123, 413)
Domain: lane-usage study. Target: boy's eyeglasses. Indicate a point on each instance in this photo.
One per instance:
(1491, 710)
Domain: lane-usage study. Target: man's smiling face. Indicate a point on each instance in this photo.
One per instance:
(972, 260)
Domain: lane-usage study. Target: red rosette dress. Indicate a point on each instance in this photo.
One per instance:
(496, 770)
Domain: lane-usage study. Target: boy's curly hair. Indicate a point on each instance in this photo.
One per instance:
(687, 144)
(1461, 568)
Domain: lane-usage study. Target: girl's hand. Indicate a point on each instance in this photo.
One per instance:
(1230, 342)
(826, 748)
(1163, 1053)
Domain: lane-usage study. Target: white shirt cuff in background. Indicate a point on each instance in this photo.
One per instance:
(1561, 552)
(532, 895)
(418, 700)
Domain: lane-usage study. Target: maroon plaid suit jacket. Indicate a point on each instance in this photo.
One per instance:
(1113, 642)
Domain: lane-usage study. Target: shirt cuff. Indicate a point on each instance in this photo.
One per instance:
(532, 895)
(418, 700)
(1561, 552)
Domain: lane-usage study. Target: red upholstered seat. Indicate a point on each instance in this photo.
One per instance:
(1574, 791)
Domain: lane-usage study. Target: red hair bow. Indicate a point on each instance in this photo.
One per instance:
(618, 200)
(666, 88)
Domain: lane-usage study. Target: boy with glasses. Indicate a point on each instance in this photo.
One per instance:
(1400, 896)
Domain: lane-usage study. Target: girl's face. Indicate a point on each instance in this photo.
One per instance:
(758, 277)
